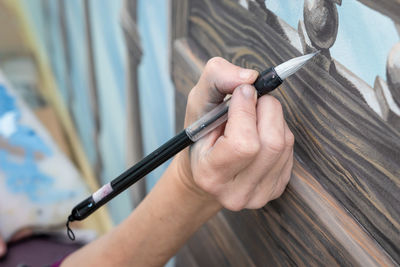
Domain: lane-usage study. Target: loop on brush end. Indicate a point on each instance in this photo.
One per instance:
(70, 233)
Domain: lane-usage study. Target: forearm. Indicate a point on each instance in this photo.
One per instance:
(153, 233)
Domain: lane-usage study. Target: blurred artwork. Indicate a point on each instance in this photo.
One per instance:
(38, 183)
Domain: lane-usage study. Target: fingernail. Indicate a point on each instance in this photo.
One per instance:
(248, 91)
(245, 74)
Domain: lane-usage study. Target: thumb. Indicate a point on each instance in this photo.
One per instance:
(218, 79)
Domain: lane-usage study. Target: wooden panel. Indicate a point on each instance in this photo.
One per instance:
(306, 226)
(218, 245)
(183, 62)
(275, 235)
(340, 142)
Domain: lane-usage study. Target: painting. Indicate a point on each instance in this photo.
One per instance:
(341, 206)
(38, 184)
(362, 53)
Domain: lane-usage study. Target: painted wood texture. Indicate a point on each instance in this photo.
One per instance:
(349, 153)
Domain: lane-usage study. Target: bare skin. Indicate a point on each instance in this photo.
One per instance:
(243, 164)
(17, 236)
(3, 247)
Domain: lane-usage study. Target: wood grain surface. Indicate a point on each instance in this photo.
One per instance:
(350, 213)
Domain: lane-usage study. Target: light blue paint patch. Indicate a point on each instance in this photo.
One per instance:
(25, 177)
(26, 138)
(56, 48)
(364, 40)
(80, 103)
(7, 103)
(109, 59)
(156, 90)
(109, 41)
(291, 11)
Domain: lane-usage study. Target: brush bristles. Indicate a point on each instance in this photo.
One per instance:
(289, 67)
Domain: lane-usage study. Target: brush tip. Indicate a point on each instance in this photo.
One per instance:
(289, 67)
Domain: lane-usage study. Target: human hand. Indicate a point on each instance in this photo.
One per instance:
(248, 161)
(3, 247)
(25, 232)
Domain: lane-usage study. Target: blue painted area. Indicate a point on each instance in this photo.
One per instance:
(7, 103)
(25, 137)
(109, 53)
(26, 178)
(289, 10)
(155, 87)
(156, 91)
(23, 176)
(55, 49)
(79, 76)
(364, 38)
(110, 61)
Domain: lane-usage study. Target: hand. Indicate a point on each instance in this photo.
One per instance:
(25, 232)
(3, 247)
(248, 161)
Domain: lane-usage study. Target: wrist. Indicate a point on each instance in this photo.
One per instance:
(184, 178)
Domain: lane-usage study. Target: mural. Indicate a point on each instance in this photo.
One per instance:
(359, 45)
(342, 109)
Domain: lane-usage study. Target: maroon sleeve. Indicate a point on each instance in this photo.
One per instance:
(58, 263)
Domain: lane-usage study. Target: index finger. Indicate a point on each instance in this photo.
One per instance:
(220, 77)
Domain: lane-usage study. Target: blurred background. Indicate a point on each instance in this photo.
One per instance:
(95, 74)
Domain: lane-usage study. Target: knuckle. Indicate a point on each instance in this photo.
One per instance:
(234, 204)
(290, 139)
(246, 148)
(274, 142)
(244, 112)
(260, 203)
(279, 190)
(214, 64)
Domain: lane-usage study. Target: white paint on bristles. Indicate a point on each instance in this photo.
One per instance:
(289, 67)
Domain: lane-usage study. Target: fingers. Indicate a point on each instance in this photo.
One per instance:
(268, 174)
(284, 178)
(3, 247)
(271, 132)
(219, 78)
(271, 126)
(274, 183)
(239, 144)
(248, 162)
